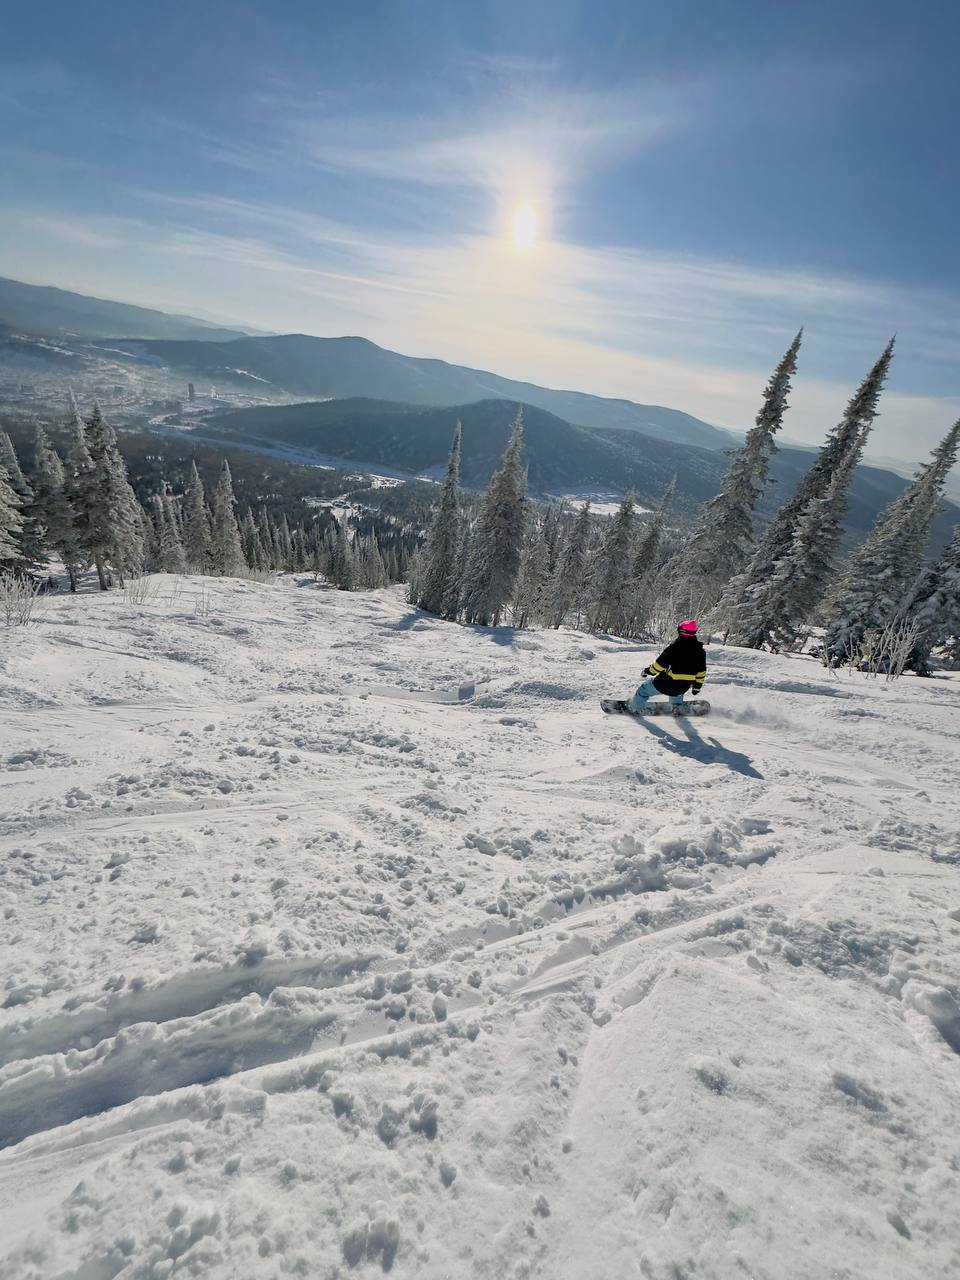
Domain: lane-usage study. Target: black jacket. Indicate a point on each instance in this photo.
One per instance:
(682, 665)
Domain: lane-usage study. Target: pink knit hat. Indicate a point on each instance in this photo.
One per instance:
(688, 627)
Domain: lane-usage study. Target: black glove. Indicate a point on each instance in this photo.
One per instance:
(695, 690)
(646, 671)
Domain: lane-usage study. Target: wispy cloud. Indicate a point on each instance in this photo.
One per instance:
(697, 332)
(525, 142)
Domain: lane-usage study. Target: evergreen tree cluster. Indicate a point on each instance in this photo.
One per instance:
(81, 508)
(534, 566)
(513, 560)
(507, 559)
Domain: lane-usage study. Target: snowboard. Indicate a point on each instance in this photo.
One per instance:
(618, 706)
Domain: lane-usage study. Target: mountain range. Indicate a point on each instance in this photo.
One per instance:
(51, 313)
(560, 456)
(341, 368)
(381, 408)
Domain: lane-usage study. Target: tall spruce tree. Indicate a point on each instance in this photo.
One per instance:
(109, 529)
(647, 564)
(569, 588)
(11, 523)
(813, 558)
(934, 605)
(494, 563)
(533, 579)
(614, 571)
(151, 529)
(226, 551)
(171, 555)
(52, 506)
(755, 609)
(878, 576)
(268, 538)
(78, 472)
(455, 583)
(284, 543)
(800, 577)
(343, 567)
(254, 554)
(11, 464)
(196, 525)
(438, 565)
(723, 536)
(33, 553)
(371, 572)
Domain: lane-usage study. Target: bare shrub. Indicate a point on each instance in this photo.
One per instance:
(257, 575)
(140, 588)
(20, 600)
(662, 606)
(885, 650)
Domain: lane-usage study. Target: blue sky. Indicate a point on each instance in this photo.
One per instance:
(707, 177)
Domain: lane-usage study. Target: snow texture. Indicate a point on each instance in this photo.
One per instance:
(340, 941)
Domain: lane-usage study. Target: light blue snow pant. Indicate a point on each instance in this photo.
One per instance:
(646, 692)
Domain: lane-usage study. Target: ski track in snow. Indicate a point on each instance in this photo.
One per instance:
(339, 941)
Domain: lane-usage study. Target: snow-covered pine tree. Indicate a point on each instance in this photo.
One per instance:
(343, 568)
(878, 576)
(284, 543)
(722, 538)
(812, 558)
(552, 533)
(110, 528)
(754, 608)
(298, 543)
(390, 564)
(11, 523)
(413, 577)
(453, 594)
(196, 525)
(33, 553)
(438, 562)
(78, 476)
(151, 530)
(128, 549)
(371, 573)
(494, 562)
(253, 552)
(52, 506)
(801, 575)
(226, 551)
(533, 579)
(171, 555)
(268, 538)
(614, 570)
(569, 587)
(647, 564)
(11, 464)
(934, 605)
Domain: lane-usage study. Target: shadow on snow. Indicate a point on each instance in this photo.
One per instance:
(703, 750)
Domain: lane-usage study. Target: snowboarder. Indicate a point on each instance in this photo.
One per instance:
(681, 666)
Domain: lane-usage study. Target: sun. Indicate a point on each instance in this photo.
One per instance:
(524, 226)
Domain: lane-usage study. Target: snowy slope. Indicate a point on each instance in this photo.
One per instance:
(337, 940)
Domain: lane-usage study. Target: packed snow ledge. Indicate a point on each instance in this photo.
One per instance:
(337, 940)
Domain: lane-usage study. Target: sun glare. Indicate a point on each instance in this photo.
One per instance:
(524, 226)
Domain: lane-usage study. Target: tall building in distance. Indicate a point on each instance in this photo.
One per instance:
(191, 392)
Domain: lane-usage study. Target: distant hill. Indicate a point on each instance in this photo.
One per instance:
(344, 368)
(415, 440)
(560, 456)
(48, 312)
